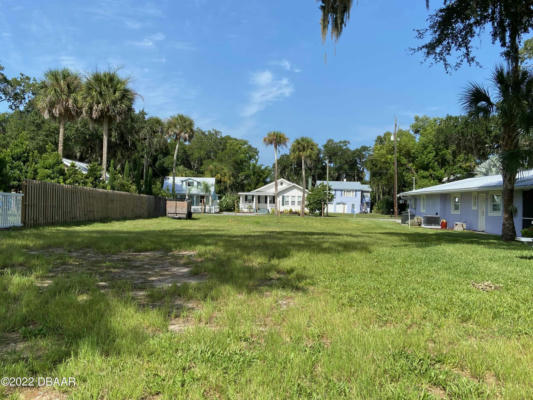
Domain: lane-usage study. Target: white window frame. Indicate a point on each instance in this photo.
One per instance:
(491, 212)
(423, 203)
(475, 200)
(452, 203)
(348, 193)
(299, 200)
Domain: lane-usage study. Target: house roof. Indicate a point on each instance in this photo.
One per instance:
(83, 167)
(524, 180)
(269, 188)
(346, 185)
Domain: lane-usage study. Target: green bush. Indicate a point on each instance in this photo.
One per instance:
(385, 205)
(227, 202)
(528, 232)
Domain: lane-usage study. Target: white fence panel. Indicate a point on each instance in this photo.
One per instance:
(10, 209)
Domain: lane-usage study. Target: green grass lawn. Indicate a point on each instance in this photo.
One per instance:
(289, 308)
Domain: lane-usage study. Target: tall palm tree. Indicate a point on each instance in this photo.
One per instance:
(58, 98)
(306, 149)
(179, 127)
(513, 106)
(278, 140)
(151, 139)
(106, 97)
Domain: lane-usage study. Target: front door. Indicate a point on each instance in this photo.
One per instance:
(482, 211)
(528, 209)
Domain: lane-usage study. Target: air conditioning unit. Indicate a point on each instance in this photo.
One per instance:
(431, 221)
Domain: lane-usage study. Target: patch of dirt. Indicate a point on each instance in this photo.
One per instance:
(486, 286)
(144, 270)
(286, 303)
(465, 374)
(10, 342)
(41, 394)
(491, 379)
(437, 392)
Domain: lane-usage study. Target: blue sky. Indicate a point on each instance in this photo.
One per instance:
(247, 67)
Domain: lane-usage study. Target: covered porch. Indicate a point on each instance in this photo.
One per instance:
(256, 202)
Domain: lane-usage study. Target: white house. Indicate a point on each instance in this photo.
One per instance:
(262, 199)
(201, 192)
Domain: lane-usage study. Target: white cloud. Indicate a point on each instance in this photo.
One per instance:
(71, 62)
(182, 45)
(286, 65)
(149, 41)
(267, 90)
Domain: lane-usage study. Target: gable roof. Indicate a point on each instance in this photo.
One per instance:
(524, 180)
(346, 185)
(268, 189)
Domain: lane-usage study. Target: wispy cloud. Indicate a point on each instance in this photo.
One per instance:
(149, 41)
(285, 64)
(182, 45)
(267, 89)
(71, 62)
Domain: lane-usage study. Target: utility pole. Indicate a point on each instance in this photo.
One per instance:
(327, 187)
(395, 167)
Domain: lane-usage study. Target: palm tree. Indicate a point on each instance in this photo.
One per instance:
(151, 139)
(306, 149)
(179, 127)
(58, 98)
(106, 98)
(206, 190)
(276, 139)
(513, 106)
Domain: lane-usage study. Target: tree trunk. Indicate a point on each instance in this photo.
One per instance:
(145, 166)
(276, 208)
(174, 169)
(508, 228)
(510, 144)
(302, 211)
(61, 137)
(104, 149)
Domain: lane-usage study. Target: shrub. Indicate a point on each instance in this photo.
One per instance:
(528, 232)
(385, 205)
(227, 202)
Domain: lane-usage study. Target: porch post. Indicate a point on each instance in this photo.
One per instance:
(255, 202)
(268, 203)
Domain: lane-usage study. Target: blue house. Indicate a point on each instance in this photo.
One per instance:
(201, 192)
(348, 197)
(476, 202)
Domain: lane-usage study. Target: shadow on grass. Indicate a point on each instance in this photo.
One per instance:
(420, 238)
(72, 314)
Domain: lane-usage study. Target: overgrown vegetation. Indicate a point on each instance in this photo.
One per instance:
(295, 308)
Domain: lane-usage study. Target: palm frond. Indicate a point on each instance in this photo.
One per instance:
(476, 101)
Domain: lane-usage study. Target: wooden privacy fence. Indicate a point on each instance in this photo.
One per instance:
(47, 203)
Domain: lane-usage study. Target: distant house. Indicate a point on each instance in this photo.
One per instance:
(194, 189)
(477, 202)
(348, 197)
(262, 199)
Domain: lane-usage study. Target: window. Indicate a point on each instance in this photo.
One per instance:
(495, 204)
(474, 201)
(456, 204)
(190, 183)
(299, 200)
(423, 203)
(348, 193)
(282, 200)
(293, 200)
